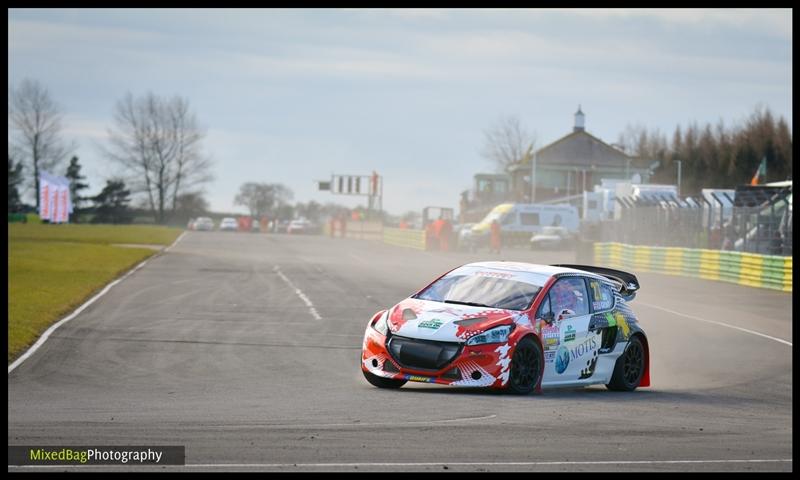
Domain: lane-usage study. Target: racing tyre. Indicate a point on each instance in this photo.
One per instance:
(629, 368)
(526, 367)
(383, 382)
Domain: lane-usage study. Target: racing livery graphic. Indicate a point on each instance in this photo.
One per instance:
(513, 326)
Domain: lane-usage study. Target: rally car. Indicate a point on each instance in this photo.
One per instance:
(515, 326)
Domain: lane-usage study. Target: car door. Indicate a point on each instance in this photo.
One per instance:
(604, 324)
(576, 353)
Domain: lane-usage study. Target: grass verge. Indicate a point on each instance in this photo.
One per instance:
(106, 234)
(52, 269)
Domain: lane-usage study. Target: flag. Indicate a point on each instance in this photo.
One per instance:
(55, 202)
(760, 173)
(44, 196)
(64, 191)
(55, 188)
(63, 200)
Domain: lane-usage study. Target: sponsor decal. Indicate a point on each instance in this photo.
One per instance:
(433, 324)
(588, 346)
(551, 337)
(549, 328)
(416, 378)
(562, 359)
(590, 366)
(623, 324)
(549, 356)
(495, 274)
(569, 334)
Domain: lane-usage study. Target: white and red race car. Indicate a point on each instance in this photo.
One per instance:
(513, 326)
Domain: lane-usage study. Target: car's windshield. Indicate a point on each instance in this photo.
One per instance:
(481, 290)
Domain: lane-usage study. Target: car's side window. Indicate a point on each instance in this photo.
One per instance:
(570, 294)
(544, 308)
(602, 295)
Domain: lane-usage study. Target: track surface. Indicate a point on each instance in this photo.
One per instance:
(214, 345)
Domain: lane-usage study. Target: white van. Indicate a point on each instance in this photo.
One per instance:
(519, 221)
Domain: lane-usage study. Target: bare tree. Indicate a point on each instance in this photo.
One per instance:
(158, 143)
(646, 145)
(263, 198)
(507, 143)
(37, 120)
(190, 205)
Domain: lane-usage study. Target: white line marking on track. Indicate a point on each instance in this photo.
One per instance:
(715, 323)
(434, 464)
(175, 242)
(299, 293)
(77, 312)
(380, 424)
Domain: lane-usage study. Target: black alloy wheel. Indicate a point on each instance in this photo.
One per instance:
(526, 367)
(629, 369)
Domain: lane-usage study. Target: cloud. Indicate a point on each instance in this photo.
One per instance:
(772, 22)
(84, 127)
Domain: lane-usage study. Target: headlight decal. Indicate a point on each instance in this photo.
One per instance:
(493, 335)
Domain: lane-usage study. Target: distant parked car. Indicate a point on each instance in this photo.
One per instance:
(299, 226)
(280, 226)
(255, 226)
(552, 237)
(204, 223)
(229, 224)
(190, 225)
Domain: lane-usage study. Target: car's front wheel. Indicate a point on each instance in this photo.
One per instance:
(383, 382)
(629, 368)
(526, 367)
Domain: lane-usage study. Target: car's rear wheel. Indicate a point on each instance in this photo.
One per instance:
(526, 367)
(629, 368)
(383, 382)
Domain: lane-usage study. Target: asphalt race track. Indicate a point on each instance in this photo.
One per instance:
(245, 349)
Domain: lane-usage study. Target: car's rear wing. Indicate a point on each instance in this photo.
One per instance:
(628, 282)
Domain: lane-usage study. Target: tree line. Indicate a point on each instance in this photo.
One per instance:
(156, 144)
(718, 155)
(155, 141)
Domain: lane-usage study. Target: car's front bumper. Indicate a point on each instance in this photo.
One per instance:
(472, 366)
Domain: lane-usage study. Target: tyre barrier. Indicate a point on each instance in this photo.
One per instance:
(750, 269)
(404, 237)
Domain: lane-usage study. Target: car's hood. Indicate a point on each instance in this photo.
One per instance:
(444, 322)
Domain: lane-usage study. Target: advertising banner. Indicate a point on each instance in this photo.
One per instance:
(55, 203)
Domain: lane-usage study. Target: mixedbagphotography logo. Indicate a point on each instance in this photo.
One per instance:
(96, 455)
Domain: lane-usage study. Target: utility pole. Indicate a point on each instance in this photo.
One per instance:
(679, 177)
(533, 179)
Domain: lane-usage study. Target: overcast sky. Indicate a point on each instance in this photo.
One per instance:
(293, 96)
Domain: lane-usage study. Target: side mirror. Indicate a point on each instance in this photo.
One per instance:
(548, 317)
(565, 313)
